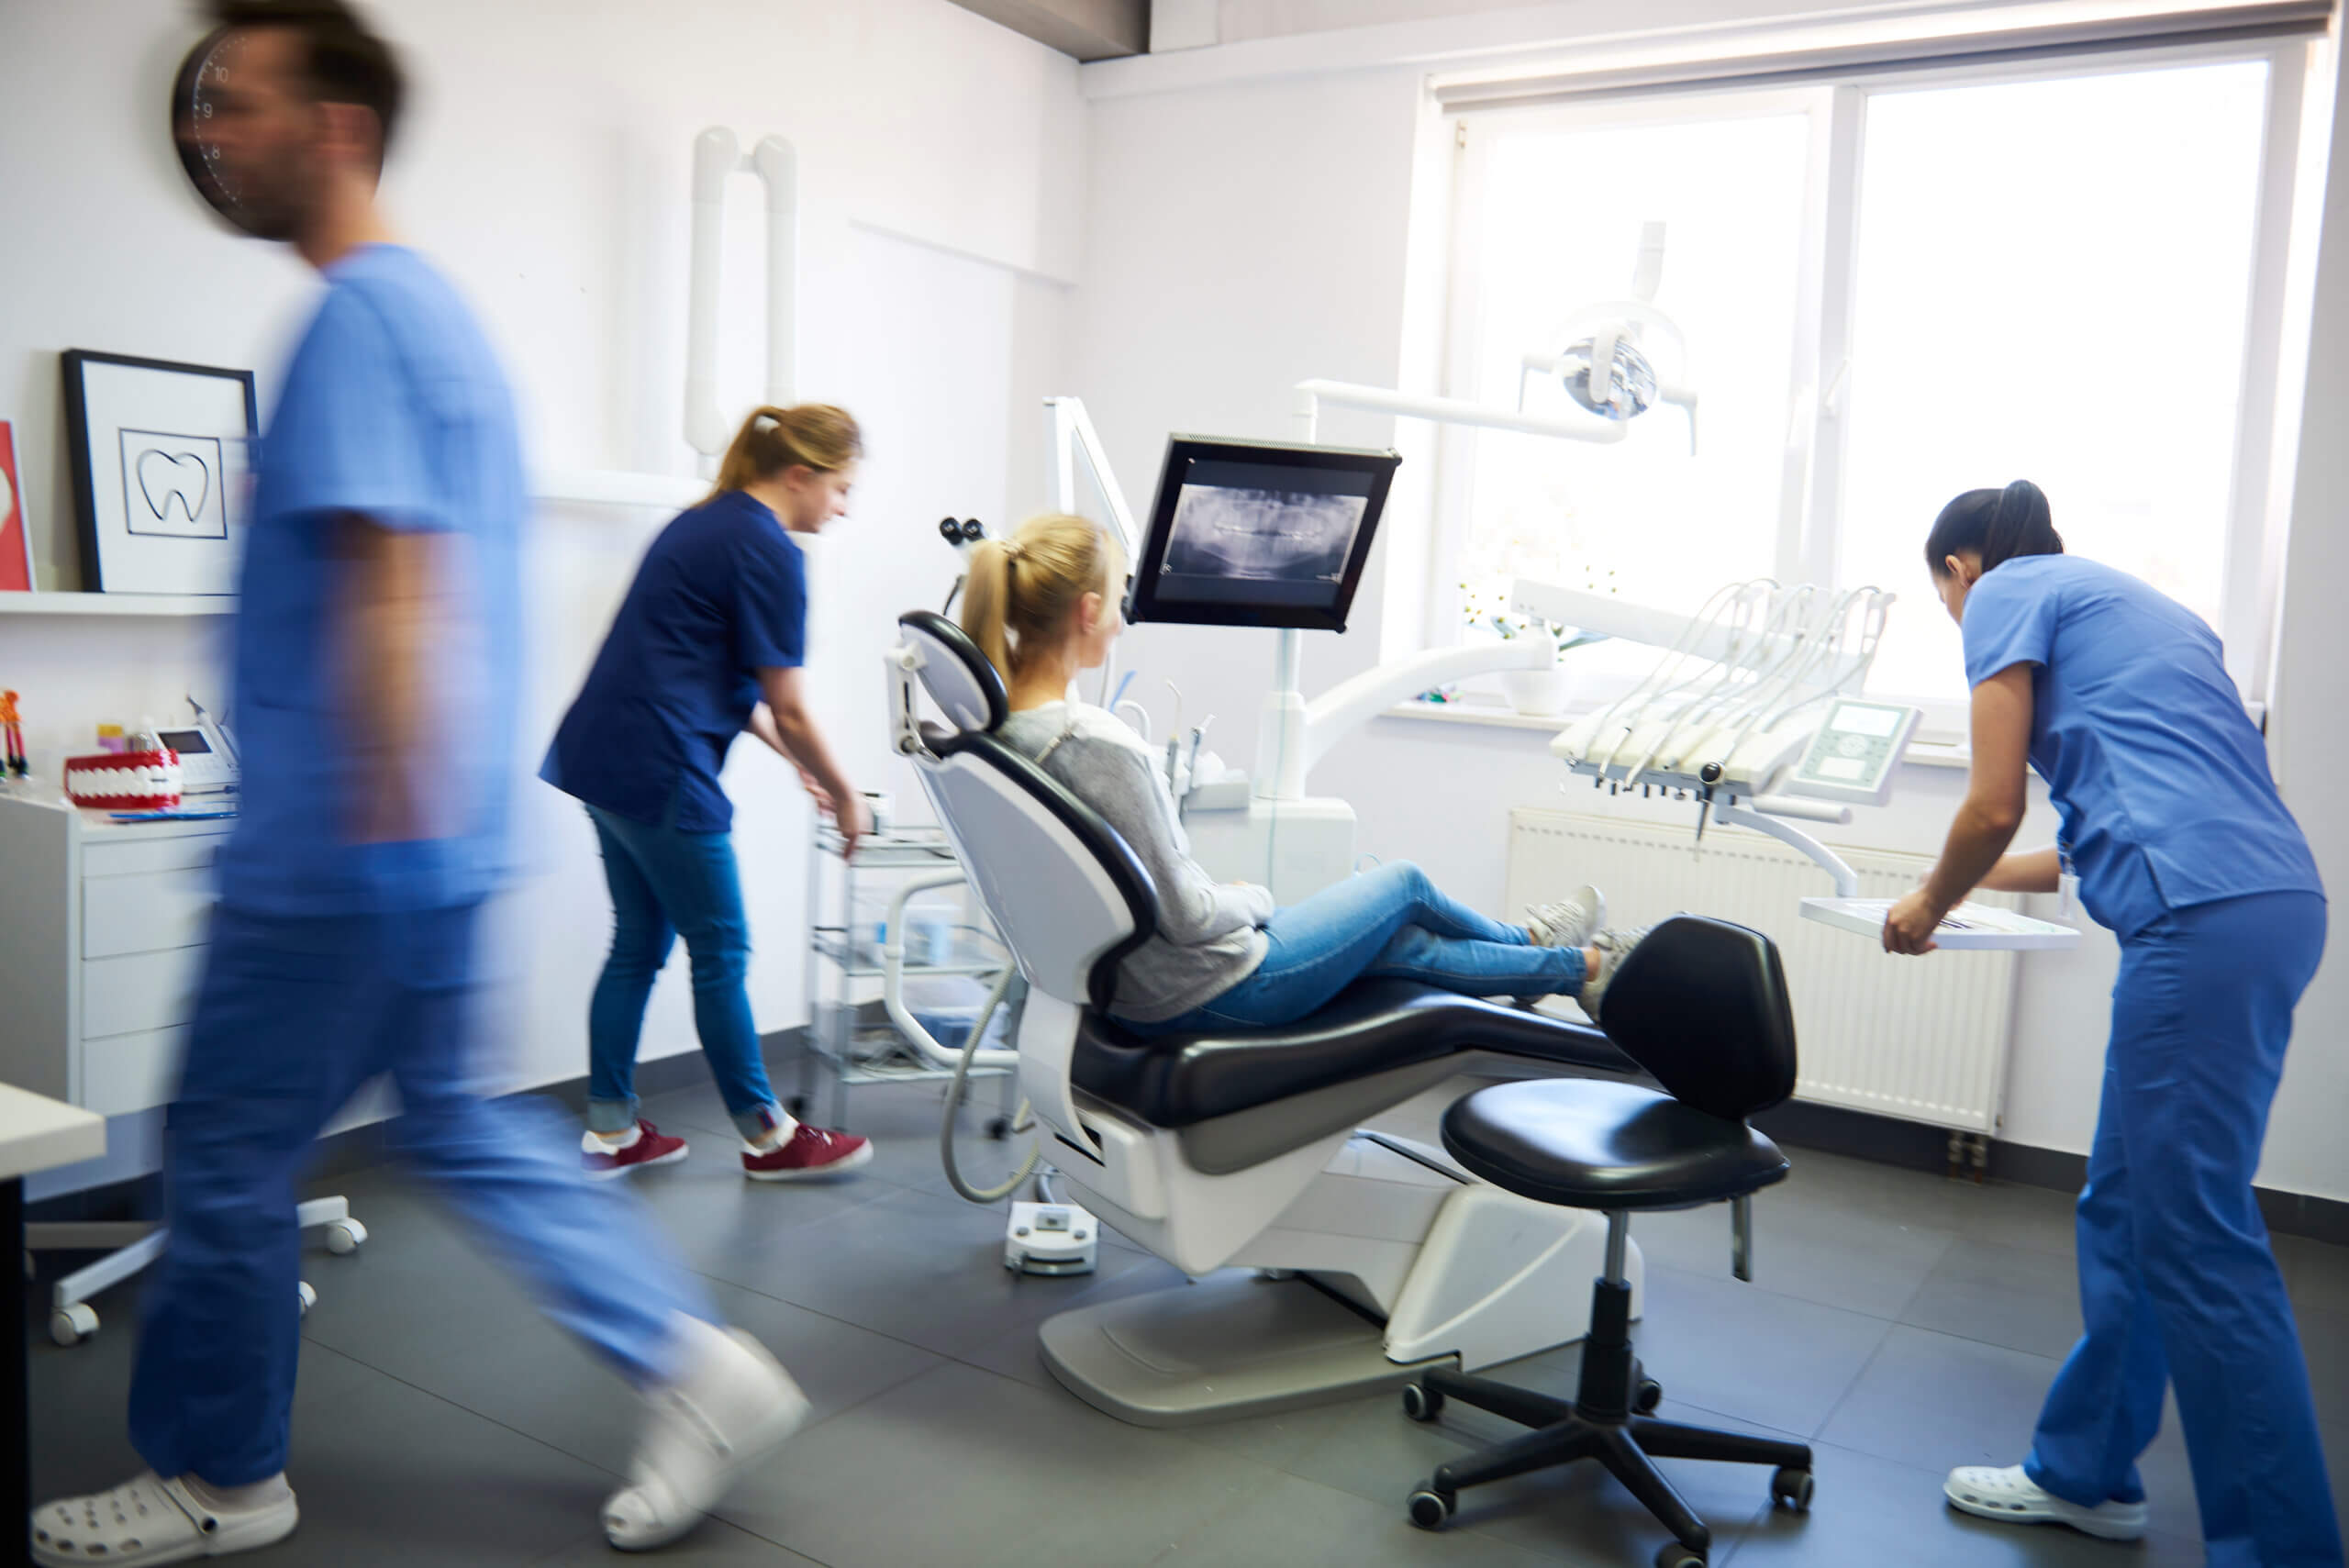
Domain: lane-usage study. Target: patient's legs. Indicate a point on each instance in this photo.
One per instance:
(1388, 922)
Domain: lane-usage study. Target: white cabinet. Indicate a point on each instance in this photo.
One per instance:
(103, 927)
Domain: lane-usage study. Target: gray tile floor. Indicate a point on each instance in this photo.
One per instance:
(1899, 1323)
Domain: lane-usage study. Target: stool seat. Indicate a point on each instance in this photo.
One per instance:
(1585, 1144)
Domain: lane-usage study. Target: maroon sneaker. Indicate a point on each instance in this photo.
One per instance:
(808, 1153)
(652, 1147)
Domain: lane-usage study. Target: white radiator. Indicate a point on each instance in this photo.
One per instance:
(1921, 1038)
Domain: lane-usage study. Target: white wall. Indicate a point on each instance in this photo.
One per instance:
(1202, 326)
(545, 168)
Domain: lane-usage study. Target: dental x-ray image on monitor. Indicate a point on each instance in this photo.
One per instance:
(1247, 534)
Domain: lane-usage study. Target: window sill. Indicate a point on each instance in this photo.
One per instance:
(1493, 715)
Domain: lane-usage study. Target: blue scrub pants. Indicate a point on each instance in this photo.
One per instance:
(1391, 923)
(293, 1016)
(667, 883)
(2178, 1283)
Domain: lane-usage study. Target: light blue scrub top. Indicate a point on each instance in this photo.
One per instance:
(2158, 776)
(393, 408)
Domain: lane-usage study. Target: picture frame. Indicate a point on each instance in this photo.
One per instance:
(16, 527)
(161, 453)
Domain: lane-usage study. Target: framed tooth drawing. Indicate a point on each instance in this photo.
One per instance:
(161, 454)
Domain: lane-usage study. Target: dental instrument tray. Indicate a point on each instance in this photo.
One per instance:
(1969, 925)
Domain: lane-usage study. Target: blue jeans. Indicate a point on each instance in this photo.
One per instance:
(1391, 923)
(2178, 1283)
(294, 1015)
(666, 883)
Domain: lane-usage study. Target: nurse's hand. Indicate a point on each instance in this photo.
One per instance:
(1908, 926)
(853, 824)
(815, 792)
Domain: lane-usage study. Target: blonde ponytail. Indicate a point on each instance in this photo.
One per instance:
(1020, 591)
(808, 435)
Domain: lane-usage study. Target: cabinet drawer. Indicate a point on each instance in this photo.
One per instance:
(131, 1072)
(176, 852)
(140, 993)
(145, 913)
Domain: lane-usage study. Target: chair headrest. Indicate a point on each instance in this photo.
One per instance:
(1702, 1005)
(960, 679)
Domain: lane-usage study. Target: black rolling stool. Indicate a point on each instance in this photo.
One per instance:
(1702, 1005)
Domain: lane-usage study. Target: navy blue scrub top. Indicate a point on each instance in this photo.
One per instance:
(722, 595)
(2158, 776)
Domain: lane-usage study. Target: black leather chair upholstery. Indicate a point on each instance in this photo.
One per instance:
(1702, 1005)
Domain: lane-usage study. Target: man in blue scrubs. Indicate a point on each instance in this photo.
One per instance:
(2121, 700)
(375, 670)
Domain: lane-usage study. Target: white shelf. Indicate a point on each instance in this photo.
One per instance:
(181, 605)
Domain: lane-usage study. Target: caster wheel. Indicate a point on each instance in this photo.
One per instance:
(344, 1236)
(68, 1326)
(1431, 1509)
(999, 1127)
(1647, 1396)
(1421, 1404)
(1672, 1555)
(1790, 1489)
(306, 1297)
(798, 1106)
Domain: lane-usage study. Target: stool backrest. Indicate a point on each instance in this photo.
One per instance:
(1066, 891)
(1702, 1005)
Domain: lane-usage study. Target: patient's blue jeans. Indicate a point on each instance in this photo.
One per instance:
(666, 883)
(1391, 923)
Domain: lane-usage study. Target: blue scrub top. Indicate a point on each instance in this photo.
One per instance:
(394, 408)
(722, 595)
(2158, 776)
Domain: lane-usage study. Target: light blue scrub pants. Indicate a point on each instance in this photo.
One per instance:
(2178, 1283)
(292, 1016)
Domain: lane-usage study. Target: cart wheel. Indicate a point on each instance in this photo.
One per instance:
(344, 1236)
(1431, 1509)
(306, 1297)
(999, 1127)
(798, 1106)
(1421, 1403)
(70, 1326)
(1790, 1489)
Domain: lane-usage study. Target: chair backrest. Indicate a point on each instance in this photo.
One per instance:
(1069, 896)
(1702, 1005)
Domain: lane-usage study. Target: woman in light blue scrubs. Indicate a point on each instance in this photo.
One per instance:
(2119, 698)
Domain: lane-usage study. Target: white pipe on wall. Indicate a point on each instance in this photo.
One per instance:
(715, 155)
(778, 168)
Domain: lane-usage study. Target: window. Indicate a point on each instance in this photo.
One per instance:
(1893, 291)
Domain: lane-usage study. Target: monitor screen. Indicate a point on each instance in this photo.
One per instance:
(1249, 534)
(186, 742)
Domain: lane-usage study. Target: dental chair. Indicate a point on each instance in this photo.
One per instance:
(1375, 1258)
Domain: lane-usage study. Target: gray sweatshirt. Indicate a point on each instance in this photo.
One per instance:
(1209, 938)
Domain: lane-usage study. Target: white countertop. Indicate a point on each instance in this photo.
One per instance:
(38, 1133)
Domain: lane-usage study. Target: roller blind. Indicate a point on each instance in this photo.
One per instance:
(1877, 47)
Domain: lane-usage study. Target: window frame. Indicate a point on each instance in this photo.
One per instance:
(1813, 498)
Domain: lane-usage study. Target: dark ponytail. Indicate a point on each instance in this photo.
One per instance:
(1996, 525)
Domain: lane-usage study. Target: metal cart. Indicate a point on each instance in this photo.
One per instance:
(850, 951)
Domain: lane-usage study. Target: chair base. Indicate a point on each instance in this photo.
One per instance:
(1234, 1344)
(1605, 1421)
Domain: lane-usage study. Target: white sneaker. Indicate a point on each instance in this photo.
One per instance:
(1614, 947)
(2012, 1496)
(729, 1406)
(1569, 922)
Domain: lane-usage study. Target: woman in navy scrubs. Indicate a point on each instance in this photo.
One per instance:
(707, 644)
(2168, 819)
